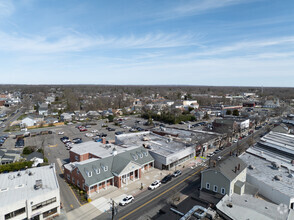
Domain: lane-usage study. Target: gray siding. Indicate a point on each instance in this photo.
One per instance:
(215, 178)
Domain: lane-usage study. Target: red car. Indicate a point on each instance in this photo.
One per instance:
(83, 129)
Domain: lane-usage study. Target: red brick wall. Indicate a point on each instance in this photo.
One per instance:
(117, 182)
(80, 157)
(76, 177)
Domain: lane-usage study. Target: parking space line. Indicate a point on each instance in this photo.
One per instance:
(52, 145)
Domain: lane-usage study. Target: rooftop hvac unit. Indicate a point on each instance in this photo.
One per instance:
(38, 184)
(275, 165)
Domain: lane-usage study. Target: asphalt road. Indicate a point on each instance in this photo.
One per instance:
(186, 183)
(9, 120)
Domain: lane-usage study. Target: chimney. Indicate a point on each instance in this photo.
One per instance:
(236, 169)
(103, 141)
(239, 166)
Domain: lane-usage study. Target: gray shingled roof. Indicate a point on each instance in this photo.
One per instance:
(2, 153)
(35, 154)
(115, 165)
(227, 167)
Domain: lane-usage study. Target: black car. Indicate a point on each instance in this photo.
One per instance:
(77, 140)
(140, 129)
(103, 135)
(19, 143)
(166, 178)
(119, 132)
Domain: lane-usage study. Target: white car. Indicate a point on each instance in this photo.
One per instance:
(154, 185)
(235, 141)
(219, 158)
(60, 133)
(128, 199)
(89, 135)
(94, 131)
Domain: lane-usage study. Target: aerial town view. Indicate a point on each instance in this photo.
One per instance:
(147, 110)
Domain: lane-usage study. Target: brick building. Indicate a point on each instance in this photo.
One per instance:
(118, 169)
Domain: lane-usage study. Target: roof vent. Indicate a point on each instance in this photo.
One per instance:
(18, 174)
(290, 175)
(251, 167)
(114, 152)
(30, 173)
(275, 165)
(51, 165)
(38, 184)
(279, 178)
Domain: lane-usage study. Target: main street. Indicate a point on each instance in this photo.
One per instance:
(188, 182)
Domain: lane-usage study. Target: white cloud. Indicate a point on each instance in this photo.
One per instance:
(6, 8)
(77, 42)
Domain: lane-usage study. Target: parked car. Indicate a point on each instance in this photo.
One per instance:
(235, 141)
(128, 199)
(77, 140)
(83, 129)
(177, 173)
(166, 178)
(216, 151)
(119, 132)
(89, 135)
(60, 132)
(154, 185)
(20, 142)
(110, 129)
(210, 154)
(140, 129)
(103, 135)
(94, 131)
(219, 158)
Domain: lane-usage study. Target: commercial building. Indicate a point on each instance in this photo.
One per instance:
(226, 178)
(167, 152)
(29, 194)
(118, 169)
(246, 207)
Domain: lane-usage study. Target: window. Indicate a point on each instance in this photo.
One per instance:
(50, 212)
(105, 168)
(77, 157)
(78, 172)
(78, 183)
(146, 153)
(223, 191)
(215, 188)
(135, 157)
(73, 180)
(15, 213)
(97, 171)
(141, 155)
(207, 185)
(84, 186)
(68, 176)
(42, 204)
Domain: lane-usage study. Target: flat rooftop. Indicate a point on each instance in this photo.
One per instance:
(99, 149)
(192, 135)
(248, 207)
(18, 186)
(161, 145)
(264, 172)
(278, 141)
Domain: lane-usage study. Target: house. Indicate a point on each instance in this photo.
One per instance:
(93, 114)
(51, 120)
(36, 157)
(31, 120)
(117, 169)
(49, 100)
(190, 103)
(66, 117)
(30, 194)
(9, 156)
(43, 109)
(226, 178)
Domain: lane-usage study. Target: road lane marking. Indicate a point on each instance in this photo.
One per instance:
(52, 145)
(146, 203)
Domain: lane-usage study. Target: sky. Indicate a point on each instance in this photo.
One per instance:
(150, 42)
